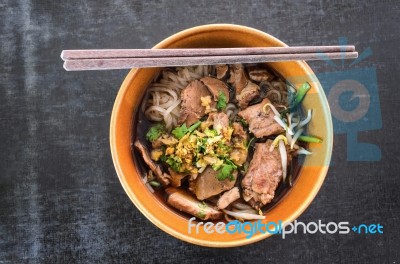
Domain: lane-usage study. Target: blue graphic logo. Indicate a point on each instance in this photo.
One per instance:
(354, 101)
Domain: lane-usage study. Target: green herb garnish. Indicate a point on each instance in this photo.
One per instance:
(179, 132)
(221, 103)
(202, 213)
(226, 171)
(310, 139)
(223, 149)
(301, 93)
(155, 183)
(174, 162)
(155, 132)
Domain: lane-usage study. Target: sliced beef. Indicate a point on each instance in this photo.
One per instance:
(263, 176)
(176, 178)
(206, 184)
(185, 202)
(215, 86)
(163, 178)
(261, 123)
(238, 77)
(259, 74)
(222, 70)
(228, 197)
(248, 93)
(191, 108)
(239, 151)
(245, 89)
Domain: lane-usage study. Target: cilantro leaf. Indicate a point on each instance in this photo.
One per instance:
(179, 132)
(174, 162)
(155, 132)
(221, 103)
(226, 172)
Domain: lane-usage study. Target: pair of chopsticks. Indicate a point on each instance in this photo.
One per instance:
(107, 59)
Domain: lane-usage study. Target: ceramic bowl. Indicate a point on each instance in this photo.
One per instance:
(312, 173)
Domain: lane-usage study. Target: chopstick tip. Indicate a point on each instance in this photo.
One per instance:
(62, 55)
(65, 66)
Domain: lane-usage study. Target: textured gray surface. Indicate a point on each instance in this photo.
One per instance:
(60, 198)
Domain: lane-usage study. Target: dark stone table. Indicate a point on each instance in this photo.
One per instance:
(60, 198)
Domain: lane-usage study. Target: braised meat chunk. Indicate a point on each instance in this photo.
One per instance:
(162, 177)
(228, 197)
(249, 92)
(222, 70)
(259, 74)
(191, 107)
(245, 89)
(263, 176)
(184, 201)
(261, 123)
(206, 184)
(216, 87)
(238, 77)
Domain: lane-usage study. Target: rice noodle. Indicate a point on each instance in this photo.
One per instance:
(244, 216)
(162, 100)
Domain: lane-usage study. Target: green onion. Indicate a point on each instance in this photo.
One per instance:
(155, 183)
(251, 142)
(181, 131)
(194, 126)
(310, 139)
(301, 93)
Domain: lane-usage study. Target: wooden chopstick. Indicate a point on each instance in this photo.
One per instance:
(157, 53)
(79, 60)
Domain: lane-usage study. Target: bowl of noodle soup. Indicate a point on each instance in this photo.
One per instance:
(154, 95)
